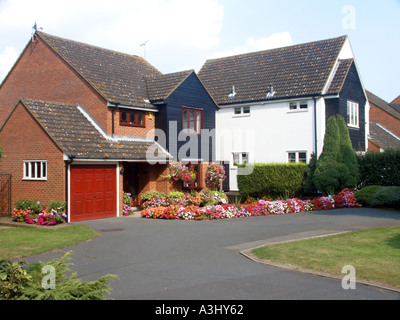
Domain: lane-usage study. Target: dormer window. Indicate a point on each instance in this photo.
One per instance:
(132, 118)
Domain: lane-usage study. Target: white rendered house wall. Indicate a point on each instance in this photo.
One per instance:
(268, 133)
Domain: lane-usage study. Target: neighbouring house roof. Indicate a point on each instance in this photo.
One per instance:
(397, 100)
(295, 71)
(117, 76)
(77, 136)
(382, 104)
(160, 86)
(382, 137)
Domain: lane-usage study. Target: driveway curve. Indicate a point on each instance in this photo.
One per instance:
(201, 260)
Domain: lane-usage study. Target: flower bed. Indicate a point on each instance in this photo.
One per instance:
(166, 209)
(44, 218)
(33, 212)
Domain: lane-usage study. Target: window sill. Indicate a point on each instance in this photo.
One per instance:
(297, 111)
(353, 127)
(32, 179)
(241, 116)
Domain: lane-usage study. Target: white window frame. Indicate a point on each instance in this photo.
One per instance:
(240, 157)
(295, 106)
(30, 170)
(353, 114)
(297, 156)
(242, 112)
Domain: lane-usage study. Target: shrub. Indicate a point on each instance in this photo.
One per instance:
(273, 180)
(150, 195)
(176, 195)
(32, 205)
(336, 167)
(366, 195)
(58, 206)
(347, 157)
(308, 185)
(378, 168)
(27, 284)
(387, 197)
(211, 198)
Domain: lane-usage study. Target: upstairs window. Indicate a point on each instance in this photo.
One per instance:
(298, 106)
(242, 111)
(353, 114)
(35, 170)
(192, 120)
(132, 118)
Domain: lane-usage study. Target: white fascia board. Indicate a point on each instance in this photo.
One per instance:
(249, 104)
(151, 109)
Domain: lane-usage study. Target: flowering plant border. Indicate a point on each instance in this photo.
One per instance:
(164, 209)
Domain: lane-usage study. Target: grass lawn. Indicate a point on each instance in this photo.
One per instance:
(21, 242)
(374, 253)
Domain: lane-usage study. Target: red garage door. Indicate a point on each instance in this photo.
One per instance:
(93, 192)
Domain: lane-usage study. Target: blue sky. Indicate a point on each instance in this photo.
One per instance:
(182, 34)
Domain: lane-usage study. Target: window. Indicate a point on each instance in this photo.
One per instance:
(242, 111)
(353, 114)
(297, 157)
(35, 170)
(298, 106)
(132, 118)
(240, 158)
(192, 120)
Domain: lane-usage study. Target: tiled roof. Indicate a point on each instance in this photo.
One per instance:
(77, 136)
(118, 77)
(382, 137)
(340, 76)
(294, 71)
(159, 87)
(382, 104)
(397, 100)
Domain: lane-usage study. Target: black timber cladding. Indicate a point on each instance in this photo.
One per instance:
(352, 90)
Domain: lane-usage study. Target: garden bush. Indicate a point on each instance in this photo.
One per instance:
(378, 168)
(337, 166)
(366, 195)
(387, 197)
(33, 205)
(18, 283)
(150, 195)
(274, 180)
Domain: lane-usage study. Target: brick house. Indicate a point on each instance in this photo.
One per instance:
(384, 124)
(79, 124)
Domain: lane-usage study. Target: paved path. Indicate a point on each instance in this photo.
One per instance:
(159, 259)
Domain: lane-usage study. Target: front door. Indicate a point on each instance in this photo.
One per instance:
(131, 173)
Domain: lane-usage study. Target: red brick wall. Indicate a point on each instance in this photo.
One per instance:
(23, 139)
(132, 131)
(382, 117)
(41, 74)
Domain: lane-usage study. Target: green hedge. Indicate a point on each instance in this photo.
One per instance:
(379, 196)
(377, 168)
(274, 180)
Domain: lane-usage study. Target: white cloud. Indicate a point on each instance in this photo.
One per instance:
(276, 40)
(7, 60)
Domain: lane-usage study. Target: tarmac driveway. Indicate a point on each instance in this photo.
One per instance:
(201, 260)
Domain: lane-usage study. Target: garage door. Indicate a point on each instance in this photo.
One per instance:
(93, 192)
